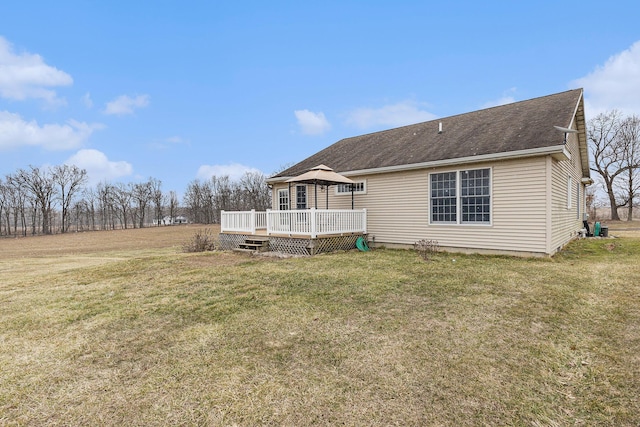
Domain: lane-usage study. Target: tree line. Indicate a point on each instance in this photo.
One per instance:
(614, 140)
(57, 199)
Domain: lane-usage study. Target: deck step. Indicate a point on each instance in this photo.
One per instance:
(256, 243)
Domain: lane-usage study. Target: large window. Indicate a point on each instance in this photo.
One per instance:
(443, 197)
(301, 197)
(461, 197)
(475, 198)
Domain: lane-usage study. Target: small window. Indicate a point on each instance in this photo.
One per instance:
(359, 187)
(301, 197)
(283, 200)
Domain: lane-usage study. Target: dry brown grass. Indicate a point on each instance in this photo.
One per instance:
(142, 334)
(624, 228)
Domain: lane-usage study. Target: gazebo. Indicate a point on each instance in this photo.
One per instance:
(324, 176)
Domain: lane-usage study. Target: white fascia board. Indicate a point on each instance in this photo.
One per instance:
(559, 152)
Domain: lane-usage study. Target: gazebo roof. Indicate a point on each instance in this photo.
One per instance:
(321, 175)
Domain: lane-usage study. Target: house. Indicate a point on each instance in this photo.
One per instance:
(168, 220)
(508, 179)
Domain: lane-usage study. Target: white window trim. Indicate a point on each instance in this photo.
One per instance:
(284, 190)
(459, 222)
(347, 193)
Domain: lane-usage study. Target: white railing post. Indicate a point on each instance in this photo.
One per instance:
(313, 223)
(268, 222)
(364, 221)
(253, 221)
(223, 222)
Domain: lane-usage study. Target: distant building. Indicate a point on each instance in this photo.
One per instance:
(167, 220)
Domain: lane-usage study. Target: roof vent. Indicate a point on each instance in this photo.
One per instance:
(439, 127)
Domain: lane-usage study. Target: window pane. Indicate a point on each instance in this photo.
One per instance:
(301, 197)
(475, 201)
(443, 197)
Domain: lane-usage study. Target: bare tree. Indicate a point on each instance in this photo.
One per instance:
(16, 202)
(173, 204)
(603, 133)
(69, 180)
(157, 197)
(40, 184)
(106, 197)
(193, 200)
(254, 184)
(122, 203)
(142, 194)
(629, 187)
(222, 196)
(4, 208)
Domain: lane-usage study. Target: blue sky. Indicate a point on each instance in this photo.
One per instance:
(179, 90)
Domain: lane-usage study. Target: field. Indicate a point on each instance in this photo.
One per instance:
(123, 328)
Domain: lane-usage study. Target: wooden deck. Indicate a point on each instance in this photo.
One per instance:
(289, 244)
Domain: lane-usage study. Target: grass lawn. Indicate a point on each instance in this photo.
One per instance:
(122, 328)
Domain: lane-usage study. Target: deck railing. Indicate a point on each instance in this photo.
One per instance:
(309, 222)
(244, 221)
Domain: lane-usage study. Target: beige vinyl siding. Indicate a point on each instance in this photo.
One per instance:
(565, 223)
(398, 209)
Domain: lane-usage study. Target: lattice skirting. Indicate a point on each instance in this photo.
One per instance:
(228, 242)
(289, 245)
(334, 243)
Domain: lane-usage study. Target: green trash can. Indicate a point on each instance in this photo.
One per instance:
(596, 229)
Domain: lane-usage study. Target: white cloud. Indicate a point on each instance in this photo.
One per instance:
(312, 123)
(233, 170)
(614, 85)
(87, 101)
(394, 115)
(16, 132)
(99, 167)
(503, 100)
(125, 104)
(25, 75)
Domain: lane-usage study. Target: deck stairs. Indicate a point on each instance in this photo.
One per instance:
(254, 244)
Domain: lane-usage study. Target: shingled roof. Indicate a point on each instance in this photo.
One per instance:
(518, 126)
